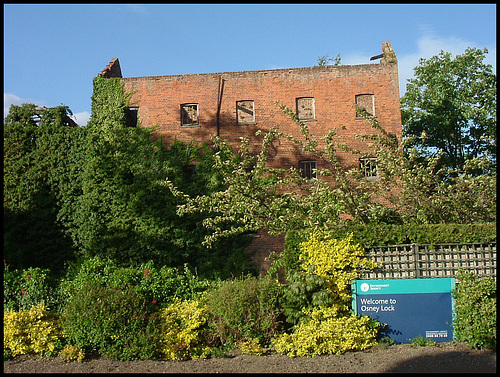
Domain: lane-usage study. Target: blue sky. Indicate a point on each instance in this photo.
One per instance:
(53, 51)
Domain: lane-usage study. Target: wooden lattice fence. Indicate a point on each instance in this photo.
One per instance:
(431, 261)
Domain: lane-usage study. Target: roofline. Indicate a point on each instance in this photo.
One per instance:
(328, 67)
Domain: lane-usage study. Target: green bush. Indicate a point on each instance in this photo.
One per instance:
(475, 316)
(317, 298)
(396, 234)
(303, 291)
(158, 285)
(28, 287)
(244, 309)
(115, 322)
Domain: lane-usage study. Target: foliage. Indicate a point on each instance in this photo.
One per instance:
(116, 322)
(302, 292)
(452, 102)
(31, 331)
(398, 234)
(411, 189)
(100, 190)
(327, 333)
(324, 60)
(158, 285)
(126, 211)
(251, 347)
(421, 191)
(32, 235)
(257, 196)
(420, 341)
(26, 288)
(184, 329)
(336, 261)
(71, 352)
(317, 299)
(243, 309)
(475, 316)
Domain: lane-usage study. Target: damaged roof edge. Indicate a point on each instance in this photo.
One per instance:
(112, 69)
(388, 56)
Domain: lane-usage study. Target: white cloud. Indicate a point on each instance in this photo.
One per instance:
(137, 9)
(12, 99)
(81, 118)
(429, 45)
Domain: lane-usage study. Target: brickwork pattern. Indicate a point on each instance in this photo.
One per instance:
(334, 89)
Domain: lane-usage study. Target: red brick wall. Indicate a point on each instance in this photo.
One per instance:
(334, 88)
(261, 247)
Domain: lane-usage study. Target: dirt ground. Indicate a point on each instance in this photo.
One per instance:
(400, 358)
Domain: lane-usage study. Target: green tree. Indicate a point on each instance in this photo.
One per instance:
(424, 191)
(256, 196)
(411, 188)
(33, 140)
(450, 106)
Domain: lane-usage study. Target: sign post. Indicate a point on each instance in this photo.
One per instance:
(409, 307)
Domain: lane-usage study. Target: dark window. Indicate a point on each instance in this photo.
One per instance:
(131, 116)
(307, 169)
(305, 108)
(189, 114)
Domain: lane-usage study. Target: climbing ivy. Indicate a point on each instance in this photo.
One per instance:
(79, 192)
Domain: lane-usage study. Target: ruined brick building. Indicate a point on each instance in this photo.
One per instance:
(237, 104)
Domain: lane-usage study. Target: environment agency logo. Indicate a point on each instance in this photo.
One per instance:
(365, 287)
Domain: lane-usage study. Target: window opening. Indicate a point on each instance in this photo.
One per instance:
(367, 102)
(305, 108)
(189, 114)
(131, 116)
(307, 169)
(245, 112)
(368, 166)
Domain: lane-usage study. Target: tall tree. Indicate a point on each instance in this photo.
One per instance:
(450, 106)
(33, 140)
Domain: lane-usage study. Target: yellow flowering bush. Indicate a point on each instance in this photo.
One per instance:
(336, 261)
(31, 331)
(184, 323)
(251, 347)
(326, 325)
(327, 333)
(71, 352)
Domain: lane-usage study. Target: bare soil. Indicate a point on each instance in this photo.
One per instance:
(401, 358)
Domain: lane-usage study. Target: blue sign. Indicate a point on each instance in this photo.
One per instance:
(408, 307)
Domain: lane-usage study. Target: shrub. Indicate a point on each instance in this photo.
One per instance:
(165, 284)
(317, 300)
(251, 347)
(116, 322)
(184, 326)
(475, 316)
(31, 331)
(327, 332)
(303, 291)
(244, 308)
(28, 287)
(160, 285)
(71, 352)
(336, 261)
